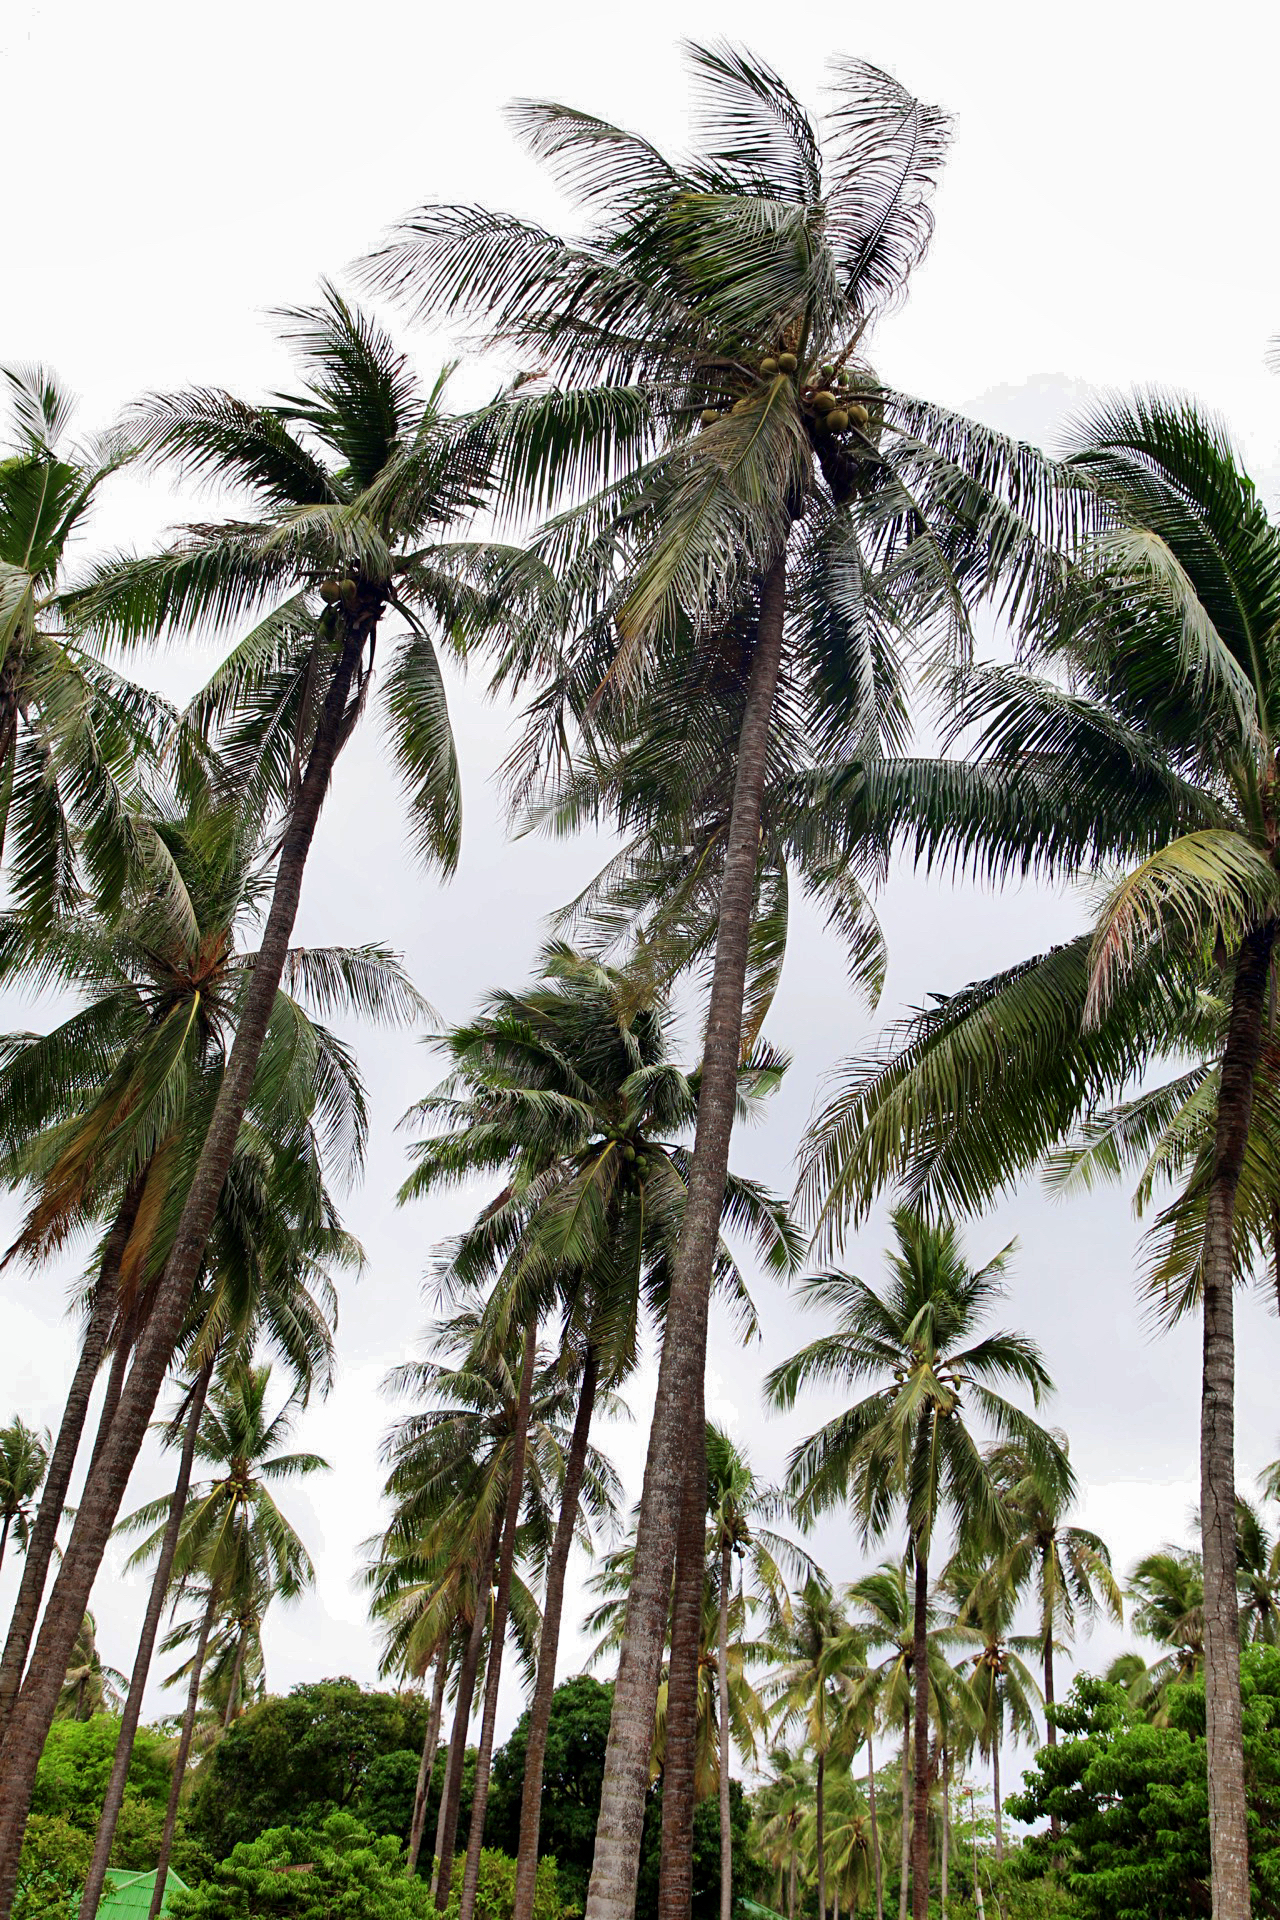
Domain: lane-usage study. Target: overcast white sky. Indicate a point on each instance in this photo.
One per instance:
(1107, 218)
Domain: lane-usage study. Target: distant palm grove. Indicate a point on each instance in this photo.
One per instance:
(728, 580)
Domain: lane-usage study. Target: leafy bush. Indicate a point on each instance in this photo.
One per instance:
(55, 1860)
(336, 1871)
(496, 1888)
(75, 1766)
(577, 1735)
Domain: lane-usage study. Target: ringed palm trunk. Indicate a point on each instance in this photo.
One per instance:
(4, 1536)
(498, 1633)
(422, 1790)
(1228, 1830)
(905, 1862)
(1050, 1730)
(680, 1758)
(946, 1829)
(182, 1756)
(62, 1460)
(549, 1644)
(722, 1676)
(995, 1794)
(920, 1671)
(451, 1793)
(611, 1894)
(114, 1798)
(236, 1671)
(820, 1838)
(876, 1866)
(32, 1713)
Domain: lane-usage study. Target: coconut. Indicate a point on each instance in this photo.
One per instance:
(826, 374)
(740, 406)
(859, 415)
(769, 367)
(837, 420)
(350, 593)
(823, 400)
(708, 416)
(787, 363)
(330, 590)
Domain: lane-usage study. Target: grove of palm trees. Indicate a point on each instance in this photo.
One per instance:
(640, 938)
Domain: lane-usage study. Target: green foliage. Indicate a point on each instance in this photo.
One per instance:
(750, 1877)
(385, 1803)
(574, 1769)
(292, 1760)
(1132, 1799)
(55, 1859)
(336, 1870)
(496, 1888)
(71, 1780)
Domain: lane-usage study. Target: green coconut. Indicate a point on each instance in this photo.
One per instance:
(708, 416)
(350, 594)
(330, 590)
(769, 367)
(823, 401)
(837, 420)
(859, 415)
(787, 363)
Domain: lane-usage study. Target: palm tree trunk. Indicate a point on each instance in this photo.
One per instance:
(611, 1894)
(820, 1837)
(791, 1885)
(946, 1830)
(905, 1883)
(680, 1759)
(114, 1798)
(181, 1757)
(498, 1634)
(977, 1884)
(422, 1790)
(4, 1535)
(722, 1675)
(876, 1865)
(1228, 1832)
(995, 1794)
(451, 1794)
(33, 1711)
(10, 675)
(236, 1671)
(549, 1643)
(920, 1673)
(62, 1460)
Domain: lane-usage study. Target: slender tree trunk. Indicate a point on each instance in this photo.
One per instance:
(33, 1711)
(1228, 1831)
(611, 1895)
(904, 1887)
(995, 1794)
(876, 1864)
(791, 1885)
(181, 1757)
(501, 1607)
(236, 1671)
(549, 1644)
(95, 1880)
(946, 1830)
(722, 1661)
(10, 675)
(62, 1460)
(117, 1373)
(920, 1673)
(4, 1535)
(1050, 1730)
(451, 1793)
(680, 1759)
(422, 1791)
(977, 1884)
(820, 1835)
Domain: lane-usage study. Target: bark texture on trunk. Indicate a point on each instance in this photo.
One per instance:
(1228, 1828)
(229, 1712)
(114, 1798)
(722, 1677)
(33, 1710)
(451, 1793)
(181, 1757)
(920, 1674)
(422, 1791)
(905, 1862)
(611, 1895)
(62, 1460)
(497, 1637)
(946, 1831)
(819, 1833)
(876, 1864)
(549, 1643)
(995, 1796)
(680, 1757)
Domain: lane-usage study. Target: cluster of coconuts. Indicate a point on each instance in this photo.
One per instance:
(637, 1162)
(345, 591)
(836, 411)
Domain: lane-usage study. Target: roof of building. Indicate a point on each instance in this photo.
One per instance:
(127, 1896)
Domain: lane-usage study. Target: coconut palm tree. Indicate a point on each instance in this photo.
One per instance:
(349, 487)
(102, 1118)
(999, 1685)
(1068, 1569)
(24, 1460)
(907, 1446)
(779, 1807)
(817, 1656)
(751, 491)
(90, 1685)
(568, 1093)
(1163, 732)
(1257, 1575)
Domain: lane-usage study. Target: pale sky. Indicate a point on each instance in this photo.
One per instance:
(1107, 218)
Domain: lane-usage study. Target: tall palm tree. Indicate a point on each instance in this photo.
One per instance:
(1257, 1575)
(349, 487)
(233, 1539)
(1164, 738)
(90, 1685)
(1167, 1592)
(1000, 1686)
(1068, 1569)
(907, 1445)
(567, 1091)
(816, 1655)
(24, 1460)
(780, 1807)
(747, 492)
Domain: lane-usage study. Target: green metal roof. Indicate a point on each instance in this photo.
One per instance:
(127, 1896)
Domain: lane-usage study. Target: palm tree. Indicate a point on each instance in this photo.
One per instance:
(1160, 752)
(747, 495)
(1067, 1568)
(1167, 1591)
(816, 1655)
(233, 1539)
(348, 486)
(1257, 1576)
(568, 1092)
(907, 1444)
(24, 1460)
(1000, 1686)
(90, 1686)
(103, 1117)
(779, 1809)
